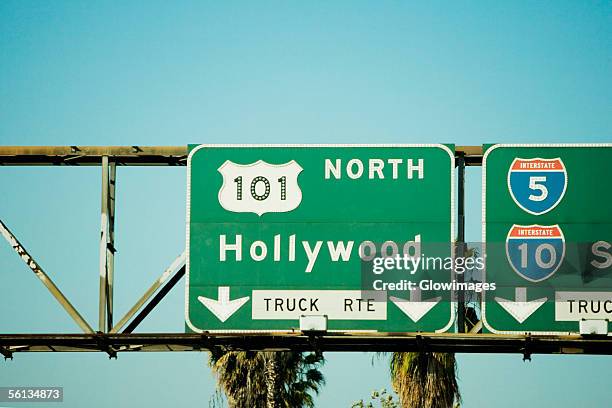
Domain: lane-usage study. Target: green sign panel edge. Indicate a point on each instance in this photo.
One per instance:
(488, 149)
(391, 145)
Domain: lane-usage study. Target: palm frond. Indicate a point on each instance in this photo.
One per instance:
(425, 379)
(260, 379)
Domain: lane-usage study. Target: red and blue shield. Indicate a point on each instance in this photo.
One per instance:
(537, 185)
(535, 252)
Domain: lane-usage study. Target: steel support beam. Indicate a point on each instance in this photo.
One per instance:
(110, 247)
(524, 345)
(176, 265)
(131, 155)
(105, 248)
(107, 245)
(460, 239)
(102, 247)
(91, 155)
(471, 154)
(44, 278)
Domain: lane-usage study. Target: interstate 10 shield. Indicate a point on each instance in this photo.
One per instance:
(535, 251)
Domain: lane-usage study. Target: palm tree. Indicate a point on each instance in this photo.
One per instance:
(268, 379)
(272, 380)
(425, 379)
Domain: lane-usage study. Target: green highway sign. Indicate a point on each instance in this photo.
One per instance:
(547, 231)
(283, 234)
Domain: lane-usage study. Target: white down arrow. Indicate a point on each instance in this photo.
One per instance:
(223, 308)
(415, 308)
(520, 308)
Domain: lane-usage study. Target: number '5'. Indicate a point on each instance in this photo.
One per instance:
(535, 184)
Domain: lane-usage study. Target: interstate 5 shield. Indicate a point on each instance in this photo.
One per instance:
(537, 185)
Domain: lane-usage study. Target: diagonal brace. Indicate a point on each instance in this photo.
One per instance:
(44, 278)
(172, 270)
(155, 301)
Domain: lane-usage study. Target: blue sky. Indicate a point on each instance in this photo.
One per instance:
(173, 73)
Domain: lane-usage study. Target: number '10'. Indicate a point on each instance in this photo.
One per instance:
(266, 183)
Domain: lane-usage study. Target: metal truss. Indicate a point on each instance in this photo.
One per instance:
(108, 158)
(112, 338)
(92, 155)
(133, 155)
(379, 342)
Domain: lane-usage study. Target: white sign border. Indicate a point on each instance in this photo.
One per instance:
(272, 331)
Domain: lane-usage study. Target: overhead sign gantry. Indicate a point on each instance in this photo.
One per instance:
(112, 336)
